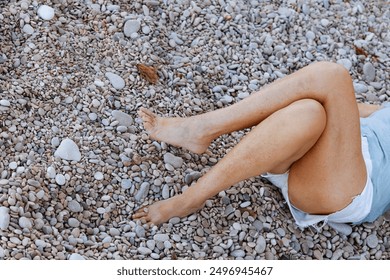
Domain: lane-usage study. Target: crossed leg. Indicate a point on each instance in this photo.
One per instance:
(307, 123)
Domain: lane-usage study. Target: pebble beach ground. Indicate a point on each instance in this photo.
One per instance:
(75, 161)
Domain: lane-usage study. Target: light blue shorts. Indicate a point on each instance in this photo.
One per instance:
(356, 211)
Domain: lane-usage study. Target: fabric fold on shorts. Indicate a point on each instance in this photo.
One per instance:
(356, 211)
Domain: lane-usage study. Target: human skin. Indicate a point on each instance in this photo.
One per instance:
(307, 123)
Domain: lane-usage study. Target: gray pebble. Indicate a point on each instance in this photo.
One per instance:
(131, 27)
(76, 256)
(140, 231)
(123, 118)
(372, 241)
(4, 218)
(165, 192)
(25, 223)
(161, 237)
(369, 72)
(114, 232)
(60, 179)
(74, 206)
(346, 63)
(27, 28)
(73, 222)
(126, 184)
(116, 81)
(175, 161)
(238, 253)
(144, 251)
(142, 192)
(260, 245)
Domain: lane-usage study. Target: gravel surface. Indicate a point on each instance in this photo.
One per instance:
(75, 162)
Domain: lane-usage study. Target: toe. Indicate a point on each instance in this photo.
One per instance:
(141, 213)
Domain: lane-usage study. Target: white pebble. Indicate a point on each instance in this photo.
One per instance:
(5, 103)
(60, 179)
(45, 12)
(99, 176)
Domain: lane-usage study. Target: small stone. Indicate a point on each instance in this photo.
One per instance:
(151, 244)
(51, 172)
(76, 256)
(74, 206)
(45, 12)
(174, 220)
(114, 232)
(99, 176)
(4, 218)
(116, 81)
(372, 241)
(344, 229)
(25, 223)
(260, 245)
(369, 72)
(346, 63)
(360, 88)
(27, 28)
(126, 184)
(165, 192)
(60, 179)
(73, 222)
(238, 253)
(142, 192)
(175, 161)
(5, 103)
(161, 237)
(68, 150)
(310, 35)
(13, 165)
(123, 118)
(144, 251)
(140, 231)
(130, 27)
(189, 178)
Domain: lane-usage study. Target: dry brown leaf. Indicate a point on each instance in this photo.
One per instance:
(360, 51)
(149, 73)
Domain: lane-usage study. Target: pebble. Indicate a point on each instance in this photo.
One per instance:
(60, 179)
(98, 176)
(123, 118)
(238, 253)
(260, 245)
(161, 237)
(142, 192)
(76, 257)
(126, 184)
(5, 103)
(68, 150)
(116, 81)
(130, 27)
(372, 241)
(45, 12)
(346, 63)
(28, 29)
(25, 223)
(144, 251)
(175, 161)
(140, 231)
(74, 206)
(369, 72)
(4, 218)
(73, 222)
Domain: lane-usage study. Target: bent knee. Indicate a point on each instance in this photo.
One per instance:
(310, 112)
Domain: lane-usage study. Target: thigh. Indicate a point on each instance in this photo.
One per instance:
(333, 171)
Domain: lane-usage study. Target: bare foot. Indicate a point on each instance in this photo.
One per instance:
(161, 211)
(181, 132)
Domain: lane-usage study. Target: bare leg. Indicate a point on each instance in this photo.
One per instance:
(323, 177)
(316, 81)
(273, 145)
